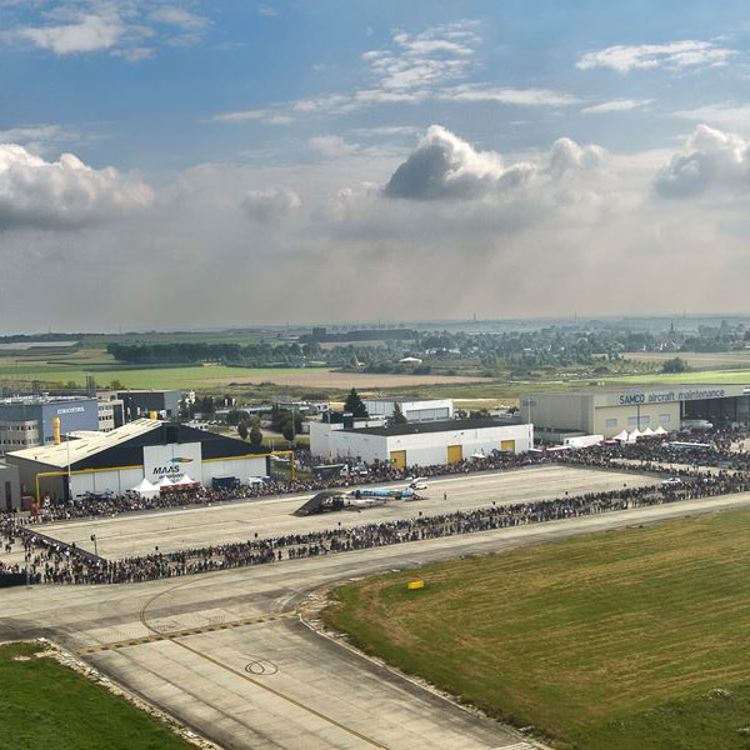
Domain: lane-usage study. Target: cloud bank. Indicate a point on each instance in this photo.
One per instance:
(443, 166)
(63, 194)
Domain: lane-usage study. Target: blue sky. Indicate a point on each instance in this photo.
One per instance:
(269, 136)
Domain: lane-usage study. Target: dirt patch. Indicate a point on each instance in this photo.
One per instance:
(346, 380)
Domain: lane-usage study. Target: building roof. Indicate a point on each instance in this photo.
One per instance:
(403, 400)
(416, 428)
(80, 448)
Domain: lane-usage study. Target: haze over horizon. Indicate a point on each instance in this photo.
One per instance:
(192, 164)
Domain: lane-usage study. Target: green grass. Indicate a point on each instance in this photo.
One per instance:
(46, 706)
(160, 377)
(610, 642)
(727, 377)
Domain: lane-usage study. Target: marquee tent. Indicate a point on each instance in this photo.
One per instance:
(144, 488)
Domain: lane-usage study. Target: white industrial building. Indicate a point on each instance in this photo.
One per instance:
(421, 444)
(609, 412)
(118, 461)
(415, 410)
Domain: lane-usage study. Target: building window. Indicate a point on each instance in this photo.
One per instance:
(665, 418)
(611, 423)
(633, 421)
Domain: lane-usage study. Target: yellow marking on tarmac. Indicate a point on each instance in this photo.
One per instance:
(247, 678)
(167, 635)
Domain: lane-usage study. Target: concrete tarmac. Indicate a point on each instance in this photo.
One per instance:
(227, 654)
(129, 535)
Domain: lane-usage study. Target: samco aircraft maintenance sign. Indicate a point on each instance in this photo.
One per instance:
(172, 461)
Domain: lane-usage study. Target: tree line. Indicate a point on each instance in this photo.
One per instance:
(189, 353)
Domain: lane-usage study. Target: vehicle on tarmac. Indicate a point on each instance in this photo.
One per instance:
(671, 481)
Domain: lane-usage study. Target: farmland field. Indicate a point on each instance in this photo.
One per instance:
(728, 377)
(630, 640)
(697, 360)
(217, 376)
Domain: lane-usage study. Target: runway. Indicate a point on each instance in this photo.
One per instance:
(140, 534)
(227, 654)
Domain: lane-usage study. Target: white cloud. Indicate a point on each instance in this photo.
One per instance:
(711, 160)
(434, 64)
(65, 193)
(90, 33)
(332, 146)
(688, 53)
(267, 10)
(728, 115)
(415, 67)
(443, 166)
(129, 30)
(172, 15)
(270, 203)
(39, 138)
(267, 116)
(388, 131)
(617, 105)
(532, 97)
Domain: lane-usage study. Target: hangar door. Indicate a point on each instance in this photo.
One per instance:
(398, 459)
(455, 454)
(508, 445)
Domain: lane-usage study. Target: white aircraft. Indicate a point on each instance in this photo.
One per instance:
(368, 496)
(366, 502)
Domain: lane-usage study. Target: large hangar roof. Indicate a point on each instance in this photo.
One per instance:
(123, 446)
(78, 449)
(416, 428)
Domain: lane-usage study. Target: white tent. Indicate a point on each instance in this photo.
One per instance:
(144, 488)
(661, 431)
(165, 481)
(621, 436)
(634, 435)
(184, 481)
(648, 432)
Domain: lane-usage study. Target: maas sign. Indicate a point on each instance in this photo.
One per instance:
(172, 461)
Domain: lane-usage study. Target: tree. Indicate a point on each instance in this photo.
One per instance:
(116, 385)
(398, 415)
(355, 406)
(675, 365)
(256, 436)
(242, 430)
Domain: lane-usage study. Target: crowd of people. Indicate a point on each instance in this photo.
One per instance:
(54, 562)
(132, 502)
(46, 560)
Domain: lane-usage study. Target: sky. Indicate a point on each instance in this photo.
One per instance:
(237, 163)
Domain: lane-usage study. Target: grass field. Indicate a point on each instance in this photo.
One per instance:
(216, 377)
(696, 360)
(727, 377)
(631, 640)
(47, 706)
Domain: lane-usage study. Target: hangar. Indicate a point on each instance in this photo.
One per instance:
(608, 412)
(429, 443)
(117, 461)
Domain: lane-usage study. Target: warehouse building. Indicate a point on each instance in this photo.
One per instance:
(137, 404)
(118, 461)
(610, 412)
(27, 421)
(427, 443)
(10, 488)
(415, 410)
